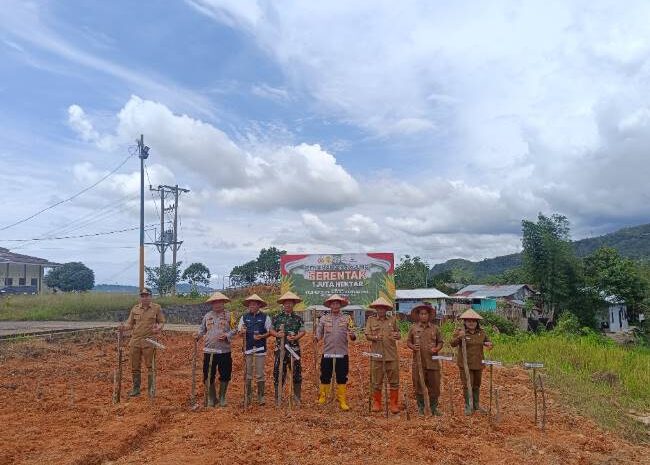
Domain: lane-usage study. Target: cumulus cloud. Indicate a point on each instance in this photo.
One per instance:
(295, 177)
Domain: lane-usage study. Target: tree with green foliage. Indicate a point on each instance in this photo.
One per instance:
(72, 276)
(163, 278)
(268, 264)
(612, 275)
(195, 274)
(411, 273)
(244, 275)
(549, 261)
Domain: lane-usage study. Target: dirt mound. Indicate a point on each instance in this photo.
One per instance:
(55, 401)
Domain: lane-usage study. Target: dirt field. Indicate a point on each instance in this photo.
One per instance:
(56, 408)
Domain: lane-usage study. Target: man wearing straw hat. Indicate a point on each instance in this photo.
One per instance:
(217, 329)
(255, 327)
(382, 333)
(334, 329)
(475, 340)
(290, 327)
(145, 320)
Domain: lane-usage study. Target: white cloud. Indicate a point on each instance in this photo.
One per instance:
(269, 92)
(289, 176)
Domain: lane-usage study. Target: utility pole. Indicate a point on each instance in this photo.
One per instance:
(168, 238)
(143, 154)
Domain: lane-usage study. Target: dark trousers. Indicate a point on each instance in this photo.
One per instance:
(342, 369)
(474, 376)
(221, 361)
(297, 369)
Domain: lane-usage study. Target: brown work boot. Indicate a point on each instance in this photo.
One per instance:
(376, 401)
(394, 401)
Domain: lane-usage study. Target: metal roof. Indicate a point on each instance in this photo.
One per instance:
(419, 294)
(478, 291)
(10, 257)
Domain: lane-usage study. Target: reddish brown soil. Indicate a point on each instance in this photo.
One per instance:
(56, 408)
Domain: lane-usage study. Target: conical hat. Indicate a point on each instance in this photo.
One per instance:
(381, 302)
(427, 306)
(255, 298)
(217, 297)
(470, 315)
(289, 296)
(334, 298)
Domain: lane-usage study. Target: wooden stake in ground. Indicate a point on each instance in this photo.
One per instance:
(541, 386)
(281, 373)
(423, 385)
(316, 357)
(194, 356)
(385, 377)
(156, 345)
(468, 383)
(491, 364)
(208, 382)
(117, 387)
(245, 370)
(534, 366)
(442, 359)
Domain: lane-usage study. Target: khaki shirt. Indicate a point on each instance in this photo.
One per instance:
(474, 342)
(386, 345)
(429, 336)
(141, 320)
(333, 330)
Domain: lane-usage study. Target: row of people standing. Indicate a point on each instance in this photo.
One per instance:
(218, 328)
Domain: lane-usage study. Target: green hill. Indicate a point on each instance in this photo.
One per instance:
(632, 242)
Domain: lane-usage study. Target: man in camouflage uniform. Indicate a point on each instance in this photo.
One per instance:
(290, 326)
(145, 320)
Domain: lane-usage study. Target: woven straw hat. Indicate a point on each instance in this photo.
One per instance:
(255, 298)
(217, 297)
(289, 296)
(423, 305)
(470, 315)
(334, 298)
(381, 302)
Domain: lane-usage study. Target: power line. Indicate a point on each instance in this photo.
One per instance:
(74, 237)
(153, 199)
(67, 199)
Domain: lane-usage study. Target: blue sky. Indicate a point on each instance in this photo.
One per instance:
(415, 127)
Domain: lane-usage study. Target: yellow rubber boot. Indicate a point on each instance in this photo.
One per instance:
(323, 393)
(340, 396)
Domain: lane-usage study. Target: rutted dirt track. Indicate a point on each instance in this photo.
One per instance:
(55, 408)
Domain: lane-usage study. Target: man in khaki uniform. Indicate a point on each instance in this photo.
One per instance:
(382, 332)
(334, 329)
(145, 320)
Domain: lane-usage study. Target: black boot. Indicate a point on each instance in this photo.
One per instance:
(433, 404)
(420, 401)
(476, 394)
(223, 387)
(260, 393)
(135, 392)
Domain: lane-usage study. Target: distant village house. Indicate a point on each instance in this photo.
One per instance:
(22, 274)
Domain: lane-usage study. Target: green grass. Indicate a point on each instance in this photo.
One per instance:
(70, 306)
(593, 374)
